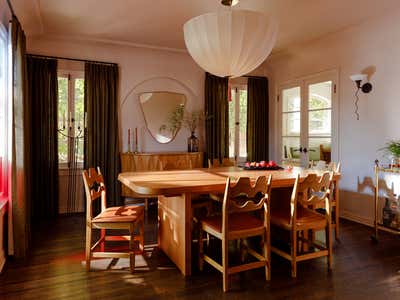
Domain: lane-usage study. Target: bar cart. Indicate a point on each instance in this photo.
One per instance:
(378, 224)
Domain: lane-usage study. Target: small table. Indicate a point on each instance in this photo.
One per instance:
(175, 190)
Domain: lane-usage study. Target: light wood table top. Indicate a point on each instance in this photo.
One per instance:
(204, 180)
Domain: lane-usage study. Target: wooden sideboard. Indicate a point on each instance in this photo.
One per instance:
(158, 161)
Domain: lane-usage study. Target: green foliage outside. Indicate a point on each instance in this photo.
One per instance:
(62, 112)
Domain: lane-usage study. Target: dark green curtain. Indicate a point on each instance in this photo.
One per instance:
(257, 119)
(20, 145)
(216, 110)
(43, 96)
(102, 139)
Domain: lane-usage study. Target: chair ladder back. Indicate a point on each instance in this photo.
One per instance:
(215, 163)
(247, 193)
(293, 203)
(94, 189)
(316, 191)
(338, 167)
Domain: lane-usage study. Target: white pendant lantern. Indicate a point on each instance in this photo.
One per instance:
(231, 42)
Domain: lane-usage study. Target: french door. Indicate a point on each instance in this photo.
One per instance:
(308, 114)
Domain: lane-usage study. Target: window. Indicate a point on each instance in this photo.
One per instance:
(307, 121)
(238, 122)
(71, 118)
(4, 110)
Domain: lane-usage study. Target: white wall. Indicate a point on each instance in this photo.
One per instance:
(140, 70)
(372, 45)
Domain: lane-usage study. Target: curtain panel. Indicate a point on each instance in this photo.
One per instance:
(216, 110)
(19, 231)
(257, 119)
(102, 138)
(43, 97)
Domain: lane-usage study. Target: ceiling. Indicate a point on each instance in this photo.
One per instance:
(158, 23)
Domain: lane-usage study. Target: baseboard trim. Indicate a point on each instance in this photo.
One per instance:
(355, 218)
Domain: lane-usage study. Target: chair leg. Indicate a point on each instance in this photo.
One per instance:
(328, 238)
(88, 252)
(267, 254)
(242, 250)
(294, 253)
(103, 237)
(337, 221)
(141, 237)
(201, 250)
(225, 276)
(131, 248)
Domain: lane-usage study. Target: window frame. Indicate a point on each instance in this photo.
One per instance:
(6, 108)
(71, 75)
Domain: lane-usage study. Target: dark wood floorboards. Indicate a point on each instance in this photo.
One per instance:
(55, 270)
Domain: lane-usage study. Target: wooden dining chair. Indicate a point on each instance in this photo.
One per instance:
(236, 223)
(302, 218)
(120, 217)
(335, 202)
(215, 163)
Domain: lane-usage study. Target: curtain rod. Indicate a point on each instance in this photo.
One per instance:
(74, 59)
(250, 76)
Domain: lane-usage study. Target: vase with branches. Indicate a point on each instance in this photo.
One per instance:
(191, 121)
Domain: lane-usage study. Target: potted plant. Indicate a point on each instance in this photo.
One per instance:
(393, 148)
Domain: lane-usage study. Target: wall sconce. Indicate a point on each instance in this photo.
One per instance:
(365, 88)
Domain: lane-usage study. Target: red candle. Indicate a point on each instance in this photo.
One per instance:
(129, 138)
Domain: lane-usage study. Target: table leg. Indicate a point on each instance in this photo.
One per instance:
(174, 232)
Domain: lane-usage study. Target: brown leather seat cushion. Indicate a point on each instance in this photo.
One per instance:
(236, 222)
(306, 218)
(120, 214)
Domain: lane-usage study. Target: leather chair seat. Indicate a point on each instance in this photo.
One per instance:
(306, 218)
(119, 214)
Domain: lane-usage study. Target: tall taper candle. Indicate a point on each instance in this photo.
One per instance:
(136, 140)
(129, 140)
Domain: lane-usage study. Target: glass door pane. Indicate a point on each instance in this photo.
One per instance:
(79, 117)
(232, 122)
(291, 123)
(320, 121)
(63, 110)
(242, 125)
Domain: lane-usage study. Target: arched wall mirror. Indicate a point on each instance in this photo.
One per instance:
(161, 111)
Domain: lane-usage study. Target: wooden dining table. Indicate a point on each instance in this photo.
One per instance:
(177, 188)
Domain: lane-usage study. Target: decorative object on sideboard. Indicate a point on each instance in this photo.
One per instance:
(221, 42)
(134, 140)
(365, 88)
(191, 122)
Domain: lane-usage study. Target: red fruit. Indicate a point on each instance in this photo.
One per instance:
(262, 163)
(247, 164)
(272, 163)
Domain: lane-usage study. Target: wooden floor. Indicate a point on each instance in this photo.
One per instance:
(55, 270)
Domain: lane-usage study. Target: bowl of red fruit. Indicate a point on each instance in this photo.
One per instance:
(262, 165)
